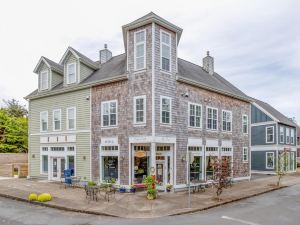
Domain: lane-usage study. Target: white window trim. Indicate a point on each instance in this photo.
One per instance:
(201, 116)
(211, 129)
(287, 135)
(281, 127)
(247, 150)
(269, 168)
(161, 97)
(292, 136)
(272, 134)
(74, 118)
(44, 72)
(53, 122)
(42, 153)
(75, 70)
(170, 45)
(244, 115)
(109, 126)
(227, 111)
(135, 44)
(144, 110)
(41, 125)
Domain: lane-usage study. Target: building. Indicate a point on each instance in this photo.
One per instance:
(271, 133)
(298, 144)
(136, 114)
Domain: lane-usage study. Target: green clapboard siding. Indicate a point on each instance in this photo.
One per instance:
(56, 79)
(85, 71)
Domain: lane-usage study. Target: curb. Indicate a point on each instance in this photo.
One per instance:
(226, 202)
(56, 206)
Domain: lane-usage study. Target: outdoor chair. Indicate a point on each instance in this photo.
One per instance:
(91, 192)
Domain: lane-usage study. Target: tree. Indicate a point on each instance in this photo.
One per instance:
(14, 108)
(282, 165)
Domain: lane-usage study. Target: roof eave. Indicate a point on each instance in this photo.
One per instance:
(202, 85)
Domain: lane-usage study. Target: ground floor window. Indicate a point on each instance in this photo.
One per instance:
(45, 163)
(270, 160)
(196, 172)
(210, 160)
(71, 164)
(141, 163)
(110, 166)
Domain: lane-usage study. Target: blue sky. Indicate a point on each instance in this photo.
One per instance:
(256, 44)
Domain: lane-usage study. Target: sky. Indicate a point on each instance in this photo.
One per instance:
(255, 44)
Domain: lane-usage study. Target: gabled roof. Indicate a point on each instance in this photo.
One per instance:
(82, 58)
(278, 116)
(51, 64)
(147, 19)
(194, 74)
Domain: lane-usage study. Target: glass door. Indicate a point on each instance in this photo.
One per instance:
(54, 169)
(58, 167)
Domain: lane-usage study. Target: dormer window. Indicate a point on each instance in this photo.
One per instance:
(139, 50)
(44, 80)
(71, 73)
(165, 48)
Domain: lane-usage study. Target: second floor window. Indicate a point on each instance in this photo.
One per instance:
(226, 121)
(44, 121)
(281, 134)
(44, 80)
(165, 51)
(245, 124)
(245, 154)
(287, 135)
(195, 112)
(165, 108)
(212, 118)
(269, 134)
(71, 118)
(140, 109)
(71, 73)
(56, 119)
(109, 113)
(139, 50)
(292, 136)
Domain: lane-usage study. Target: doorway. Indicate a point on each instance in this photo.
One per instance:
(57, 168)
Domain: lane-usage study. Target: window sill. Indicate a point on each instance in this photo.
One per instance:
(139, 71)
(109, 127)
(165, 125)
(212, 131)
(195, 128)
(166, 72)
(139, 124)
(226, 132)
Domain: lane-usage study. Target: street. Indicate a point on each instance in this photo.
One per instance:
(280, 207)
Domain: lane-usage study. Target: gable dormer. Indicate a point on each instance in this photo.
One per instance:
(76, 67)
(49, 73)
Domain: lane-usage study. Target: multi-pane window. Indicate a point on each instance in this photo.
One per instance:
(71, 73)
(269, 134)
(269, 160)
(140, 50)
(109, 113)
(140, 109)
(71, 118)
(245, 154)
(195, 148)
(44, 121)
(212, 118)
(165, 51)
(195, 112)
(44, 80)
(44, 163)
(245, 124)
(281, 130)
(292, 136)
(165, 110)
(226, 120)
(56, 119)
(71, 163)
(287, 135)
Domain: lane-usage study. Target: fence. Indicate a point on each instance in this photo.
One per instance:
(13, 164)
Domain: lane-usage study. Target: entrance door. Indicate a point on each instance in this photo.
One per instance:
(161, 174)
(57, 168)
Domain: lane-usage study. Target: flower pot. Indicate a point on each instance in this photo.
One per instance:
(150, 197)
(132, 190)
(168, 190)
(122, 190)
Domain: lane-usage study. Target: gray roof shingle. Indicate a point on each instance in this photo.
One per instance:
(59, 68)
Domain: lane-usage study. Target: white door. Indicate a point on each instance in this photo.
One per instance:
(161, 174)
(57, 168)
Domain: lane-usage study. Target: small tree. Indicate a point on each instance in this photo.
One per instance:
(282, 165)
(222, 173)
(14, 108)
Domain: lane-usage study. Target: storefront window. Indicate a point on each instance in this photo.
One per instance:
(110, 168)
(196, 168)
(209, 167)
(141, 163)
(71, 164)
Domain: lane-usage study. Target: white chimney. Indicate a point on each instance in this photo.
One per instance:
(105, 54)
(208, 64)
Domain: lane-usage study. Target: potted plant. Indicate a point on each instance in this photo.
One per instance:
(151, 187)
(132, 189)
(92, 183)
(151, 194)
(169, 187)
(122, 189)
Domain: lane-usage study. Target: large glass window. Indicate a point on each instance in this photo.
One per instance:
(269, 134)
(227, 120)
(212, 118)
(45, 163)
(71, 118)
(109, 113)
(165, 51)
(140, 109)
(196, 172)
(281, 134)
(195, 112)
(140, 50)
(141, 163)
(44, 80)
(165, 110)
(71, 73)
(56, 119)
(44, 121)
(110, 168)
(245, 124)
(210, 160)
(269, 160)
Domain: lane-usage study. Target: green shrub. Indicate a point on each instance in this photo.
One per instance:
(44, 197)
(92, 183)
(33, 197)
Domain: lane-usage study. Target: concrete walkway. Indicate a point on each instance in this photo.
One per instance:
(136, 205)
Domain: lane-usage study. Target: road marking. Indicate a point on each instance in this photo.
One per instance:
(238, 220)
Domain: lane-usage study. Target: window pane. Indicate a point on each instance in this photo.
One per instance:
(45, 163)
(113, 119)
(71, 73)
(105, 120)
(140, 63)
(140, 50)
(165, 64)
(140, 37)
(110, 167)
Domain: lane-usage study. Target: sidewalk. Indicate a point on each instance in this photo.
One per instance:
(136, 205)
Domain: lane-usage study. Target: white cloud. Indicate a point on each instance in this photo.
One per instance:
(256, 44)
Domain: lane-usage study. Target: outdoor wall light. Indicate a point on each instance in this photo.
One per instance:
(87, 97)
(84, 157)
(183, 158)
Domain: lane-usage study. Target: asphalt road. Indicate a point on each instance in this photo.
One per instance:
(280, 207)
